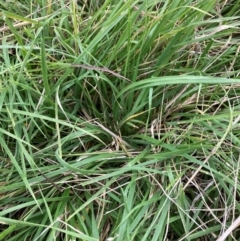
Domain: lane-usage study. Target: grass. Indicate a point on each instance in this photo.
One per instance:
(119, 120)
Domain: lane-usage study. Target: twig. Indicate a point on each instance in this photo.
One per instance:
(117, 138)
(101, 69)
(112, 134)
(55, 185)
(234, 225)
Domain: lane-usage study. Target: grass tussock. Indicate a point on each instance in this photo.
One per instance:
(119, 120)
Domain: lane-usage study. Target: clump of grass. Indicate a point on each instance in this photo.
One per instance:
(119, 120)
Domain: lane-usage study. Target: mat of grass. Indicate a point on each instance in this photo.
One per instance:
(119, 120)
